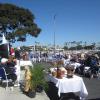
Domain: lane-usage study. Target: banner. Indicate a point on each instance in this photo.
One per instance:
(4, 53)
(4, 48)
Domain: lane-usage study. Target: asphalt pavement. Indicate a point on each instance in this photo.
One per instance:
(16, 94)
(93, 88)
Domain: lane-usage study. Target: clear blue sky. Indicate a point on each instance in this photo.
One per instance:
(76, 20)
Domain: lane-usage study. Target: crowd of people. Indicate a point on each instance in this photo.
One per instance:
(88, 60)
(79, 60)
(84, 63)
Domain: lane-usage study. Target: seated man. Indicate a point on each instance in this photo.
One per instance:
(3, 65)
(7, 74)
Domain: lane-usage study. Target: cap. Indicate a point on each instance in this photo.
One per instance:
(3, 60)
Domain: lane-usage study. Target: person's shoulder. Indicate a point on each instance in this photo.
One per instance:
(78, 77)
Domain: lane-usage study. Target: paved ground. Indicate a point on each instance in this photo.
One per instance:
(16, 94)
(93, 87)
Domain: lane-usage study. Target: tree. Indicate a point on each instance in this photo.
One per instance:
(65, 48)
(93, 45)
(16, 23)
(79, 47)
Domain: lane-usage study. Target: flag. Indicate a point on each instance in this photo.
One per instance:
(4, 41)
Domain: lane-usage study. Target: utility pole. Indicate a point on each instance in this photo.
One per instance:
(54, 34)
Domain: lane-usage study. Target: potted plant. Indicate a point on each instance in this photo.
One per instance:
(38, 81)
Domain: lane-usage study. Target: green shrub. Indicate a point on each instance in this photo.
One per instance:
(38, 76)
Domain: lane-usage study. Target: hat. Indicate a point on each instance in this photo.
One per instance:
(3, 60)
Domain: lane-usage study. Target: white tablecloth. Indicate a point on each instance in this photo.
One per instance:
(25, 63)
(66, 85)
